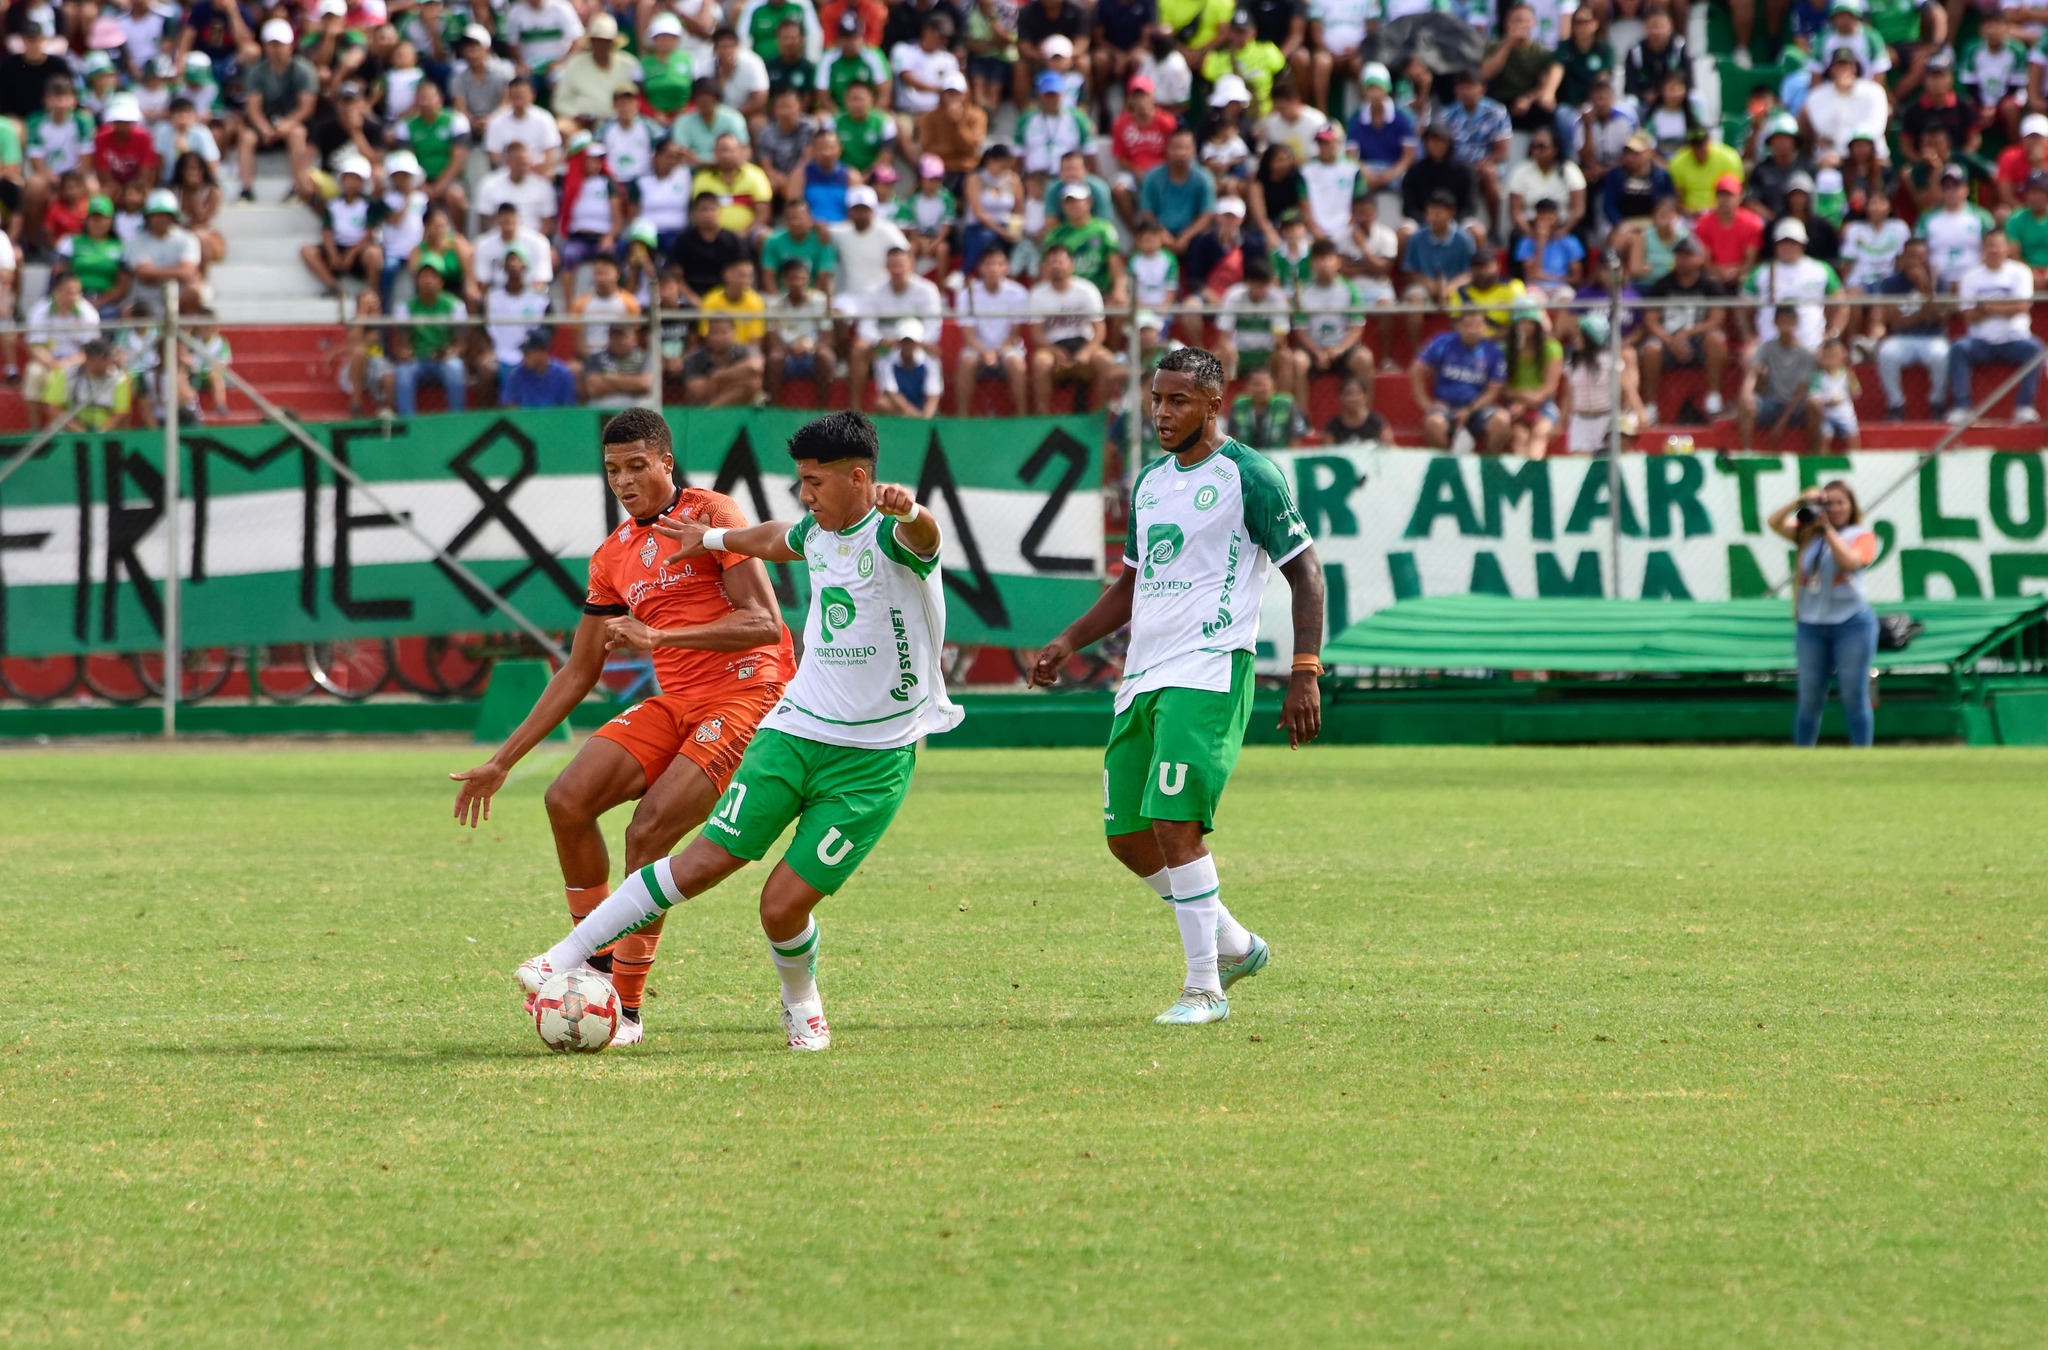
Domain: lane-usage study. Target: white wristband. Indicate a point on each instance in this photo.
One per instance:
(907, 516)
(714, 541)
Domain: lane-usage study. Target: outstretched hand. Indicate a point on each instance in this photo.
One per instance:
(473, 798)
(1302, 714)
(688, 535)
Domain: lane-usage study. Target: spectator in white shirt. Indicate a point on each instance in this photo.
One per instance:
(1842, 105)
(1996, 296)
(907, 380)
(901, 295)
(520, 123)
(488, 258)
(864, 242)
(517, 184)
(1067, 333)
(991, 310)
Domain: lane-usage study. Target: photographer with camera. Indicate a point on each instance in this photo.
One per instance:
(1837, 629)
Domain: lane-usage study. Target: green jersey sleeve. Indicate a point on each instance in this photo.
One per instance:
(902, 554)
(1270, 517)
(800, 533)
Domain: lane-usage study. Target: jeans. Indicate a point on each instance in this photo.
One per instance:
(1843, 651)
(1970, 352)
(447, 372)
(975, 240)
(1900, 350)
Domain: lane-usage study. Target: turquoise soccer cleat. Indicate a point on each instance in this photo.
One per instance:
(1194, 1008)
(1251, 964)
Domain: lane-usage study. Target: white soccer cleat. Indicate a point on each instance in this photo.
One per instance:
(630, 1032)
(534, 972)
(805, 1026)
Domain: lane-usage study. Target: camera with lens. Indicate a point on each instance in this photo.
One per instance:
(1808, 514)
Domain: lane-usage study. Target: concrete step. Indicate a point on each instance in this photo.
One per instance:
(282, 280)
(242, 307)
(266, 249)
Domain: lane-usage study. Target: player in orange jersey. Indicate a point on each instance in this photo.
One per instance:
(720, 653)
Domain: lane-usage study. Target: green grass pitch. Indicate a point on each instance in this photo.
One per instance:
(1615, 1047)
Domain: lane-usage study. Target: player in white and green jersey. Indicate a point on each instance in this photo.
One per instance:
(835, 754)
(1209, 521)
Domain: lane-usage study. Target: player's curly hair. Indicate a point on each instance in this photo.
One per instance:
(840, 435)
(639, 424)
(1201, 366)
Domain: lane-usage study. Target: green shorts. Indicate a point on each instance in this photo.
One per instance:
(842, 799)
(1171, 752)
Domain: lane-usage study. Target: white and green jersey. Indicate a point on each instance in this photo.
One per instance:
(1202, 542)
(1871, 252)
(1042, 139)
(1254, 324)
(1806, 283)
(1990, 73)
(1329, 312)
(1955, 240)
(542, 34)
(1156, 278)
(60, 145)
(872, 676)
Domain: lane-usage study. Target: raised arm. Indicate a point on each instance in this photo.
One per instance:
(768, 541)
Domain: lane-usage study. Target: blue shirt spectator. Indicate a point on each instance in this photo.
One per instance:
(825, 190)
(1558, 255)
(1439, 257)
(1381, 146)
(1178, 205)
(551, 386)
(1463, 370)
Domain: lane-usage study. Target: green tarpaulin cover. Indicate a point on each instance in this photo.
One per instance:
(1485, 632)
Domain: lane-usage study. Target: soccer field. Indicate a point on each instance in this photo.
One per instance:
(1558, 1047)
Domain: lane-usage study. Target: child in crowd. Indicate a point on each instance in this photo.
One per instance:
(1835, 388)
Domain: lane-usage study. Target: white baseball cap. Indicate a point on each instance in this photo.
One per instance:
(1230, 89)
(664, 25)
(477, 33)
(1056, 45)
(161, 202)
(861, 195)
(1230, 206)
(952, 82)
(604, 28)
(2034, 124)
(122, 108)
(328, 7)
(1790, 229)
(402, 161)
(911, 329)
(354, 164)
(277, 30)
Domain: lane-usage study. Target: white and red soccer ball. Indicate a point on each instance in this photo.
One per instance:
(576, 1012)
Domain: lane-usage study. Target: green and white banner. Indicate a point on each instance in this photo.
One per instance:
(275, 549)
(1397, 523)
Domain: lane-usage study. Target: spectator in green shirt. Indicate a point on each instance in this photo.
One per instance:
(434, 354)
(852, 61)
(761, 20)
(697, 131)
(865, 131)
(799, 238)
(2027, 228)
(1091, 241)
(666, 69)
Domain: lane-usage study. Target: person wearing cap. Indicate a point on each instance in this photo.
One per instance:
(587, 81)
(1806, 286)
(533, 377)
(481, 78)
(279, 95)
(167, 251)
(1049, 129)
(667, 68)
(1049, 30)
(1092, 242)
(1137, 143)
(1240, 51)
(1330, 183)
(97, 258)
(350, 131)
(955, 131)
(2027, 228)
(404, 223)
(1996, 296)
(26, 73)
(122, 150)
(521, 122)
(593, 210)
(1481, 132)
(1697, 171)
(1382, 133)
(1781, 161)
(347, 247)
(1955, 230)
(792, 67)
(1848, 31)
(1843, 104)
(2024, 158)
(851, 59)
(1630, 193)
(745, 196)
(1522, 74)
(1939, 106)
(927, 217)
(908, 380)
(1688, 332)
(96, 390)
(1802, 203)
(438, 137)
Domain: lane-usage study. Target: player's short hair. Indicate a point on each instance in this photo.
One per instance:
(1200, 366)
(639, 424)
(835, 436)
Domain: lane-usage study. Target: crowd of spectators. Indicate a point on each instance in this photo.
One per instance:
(1062, 185)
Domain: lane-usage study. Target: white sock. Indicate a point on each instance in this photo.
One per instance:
(1195, 892)
(1161, 881)
(640, 899)
(796, 961)
(1232, 941)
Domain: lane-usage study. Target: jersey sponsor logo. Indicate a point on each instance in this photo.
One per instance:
(1145, 501)
(1171, 785)
(906, 677)
(1206, 497)
(1163, 544)
(745, 671)
(829, 855)
(625, 531)
(835, 611)
(727, 815)
(647, 552)
(1222, 619)
(710, 731)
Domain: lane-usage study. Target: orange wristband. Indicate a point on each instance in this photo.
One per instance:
(1312, 665)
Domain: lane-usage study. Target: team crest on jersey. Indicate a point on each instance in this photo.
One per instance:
(1205, 497)
(647, 551)
(866, 565)
(745, 672)
(710, 731)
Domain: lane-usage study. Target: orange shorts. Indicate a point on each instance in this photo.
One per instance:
(711, 734)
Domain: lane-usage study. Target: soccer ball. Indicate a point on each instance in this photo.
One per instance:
(576, 1012)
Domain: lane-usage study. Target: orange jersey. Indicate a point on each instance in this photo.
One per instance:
(628, 576)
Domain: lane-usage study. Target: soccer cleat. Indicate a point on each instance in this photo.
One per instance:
(630, 1032)
(534, 972)
(1195, 1007)
(805, 1026)
(1250, 964)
